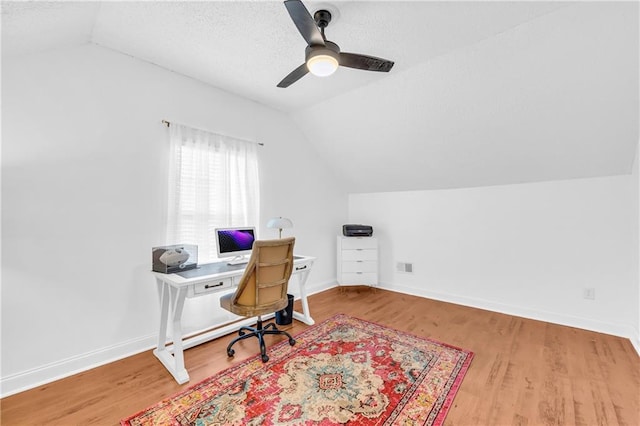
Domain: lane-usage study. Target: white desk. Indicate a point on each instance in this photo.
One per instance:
(173, 289)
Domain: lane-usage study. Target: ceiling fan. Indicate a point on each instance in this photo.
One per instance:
(322, 57)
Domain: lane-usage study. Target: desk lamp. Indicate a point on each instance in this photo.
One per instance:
(279, 223)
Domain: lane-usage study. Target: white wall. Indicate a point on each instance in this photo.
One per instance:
(527, 249)
(635, 176)
(84, 163)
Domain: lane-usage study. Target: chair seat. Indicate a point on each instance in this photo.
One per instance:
(226, 302)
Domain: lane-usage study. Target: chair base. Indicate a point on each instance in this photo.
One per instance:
(259, 331)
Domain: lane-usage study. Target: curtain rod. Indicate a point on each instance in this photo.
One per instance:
(168, 123)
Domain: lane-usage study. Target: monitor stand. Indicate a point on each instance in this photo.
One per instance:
(238, 260)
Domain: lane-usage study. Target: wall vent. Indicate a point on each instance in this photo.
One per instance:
(404, 267)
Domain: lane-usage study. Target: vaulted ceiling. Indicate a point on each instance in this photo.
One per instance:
(482, 93)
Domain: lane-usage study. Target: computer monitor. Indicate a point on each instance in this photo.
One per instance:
(235, 242)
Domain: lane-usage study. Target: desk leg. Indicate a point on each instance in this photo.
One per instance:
(178, 351)
(174, 363)
(163, 296)
(305, 316)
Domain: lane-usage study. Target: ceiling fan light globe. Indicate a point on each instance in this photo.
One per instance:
(322, 65)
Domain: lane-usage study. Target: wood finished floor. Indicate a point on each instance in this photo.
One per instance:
(524, 372)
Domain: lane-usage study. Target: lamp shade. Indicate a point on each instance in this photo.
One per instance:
(323, 61)
(322, 65)
(279, 223)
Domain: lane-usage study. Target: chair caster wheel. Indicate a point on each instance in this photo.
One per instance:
(241, 333)
(292, 342)
(265, 358)
(230, 352)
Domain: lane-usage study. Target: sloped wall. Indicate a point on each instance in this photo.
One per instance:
(554, 98)
(83, 201)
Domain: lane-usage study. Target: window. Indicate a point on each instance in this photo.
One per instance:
(213, 183)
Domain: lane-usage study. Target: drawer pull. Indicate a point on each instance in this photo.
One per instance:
(300, 268)
(358, 272)
(208, 286)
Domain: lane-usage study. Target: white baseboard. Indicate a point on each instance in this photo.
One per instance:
(319, 287)
(635, 341)
(48, 373)
(621, 330)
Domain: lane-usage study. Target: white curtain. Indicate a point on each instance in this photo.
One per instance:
(213, 183)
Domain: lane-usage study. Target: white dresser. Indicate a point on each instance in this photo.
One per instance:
(357, 261)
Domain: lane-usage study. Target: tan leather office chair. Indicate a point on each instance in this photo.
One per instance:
(262, 290)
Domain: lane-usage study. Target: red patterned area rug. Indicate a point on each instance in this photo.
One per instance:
(342, 371)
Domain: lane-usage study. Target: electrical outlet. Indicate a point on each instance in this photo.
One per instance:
(589, 293)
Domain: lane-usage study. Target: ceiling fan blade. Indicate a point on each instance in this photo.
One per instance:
(364, 62)
(294, 76)
(304, 22)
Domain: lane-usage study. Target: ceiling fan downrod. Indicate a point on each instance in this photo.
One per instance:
(322, 18)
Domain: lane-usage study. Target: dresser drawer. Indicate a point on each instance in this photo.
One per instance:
(359, 278)
(357, 260)
(212, 286)
(359, 243)
(361, 266)
(363, 254)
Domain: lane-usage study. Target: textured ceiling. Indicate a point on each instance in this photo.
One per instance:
(248, 47)
(482, 93)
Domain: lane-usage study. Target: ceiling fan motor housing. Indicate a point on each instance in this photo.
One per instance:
(330, 49)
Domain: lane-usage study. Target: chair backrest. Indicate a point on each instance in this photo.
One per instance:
(263, 286)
